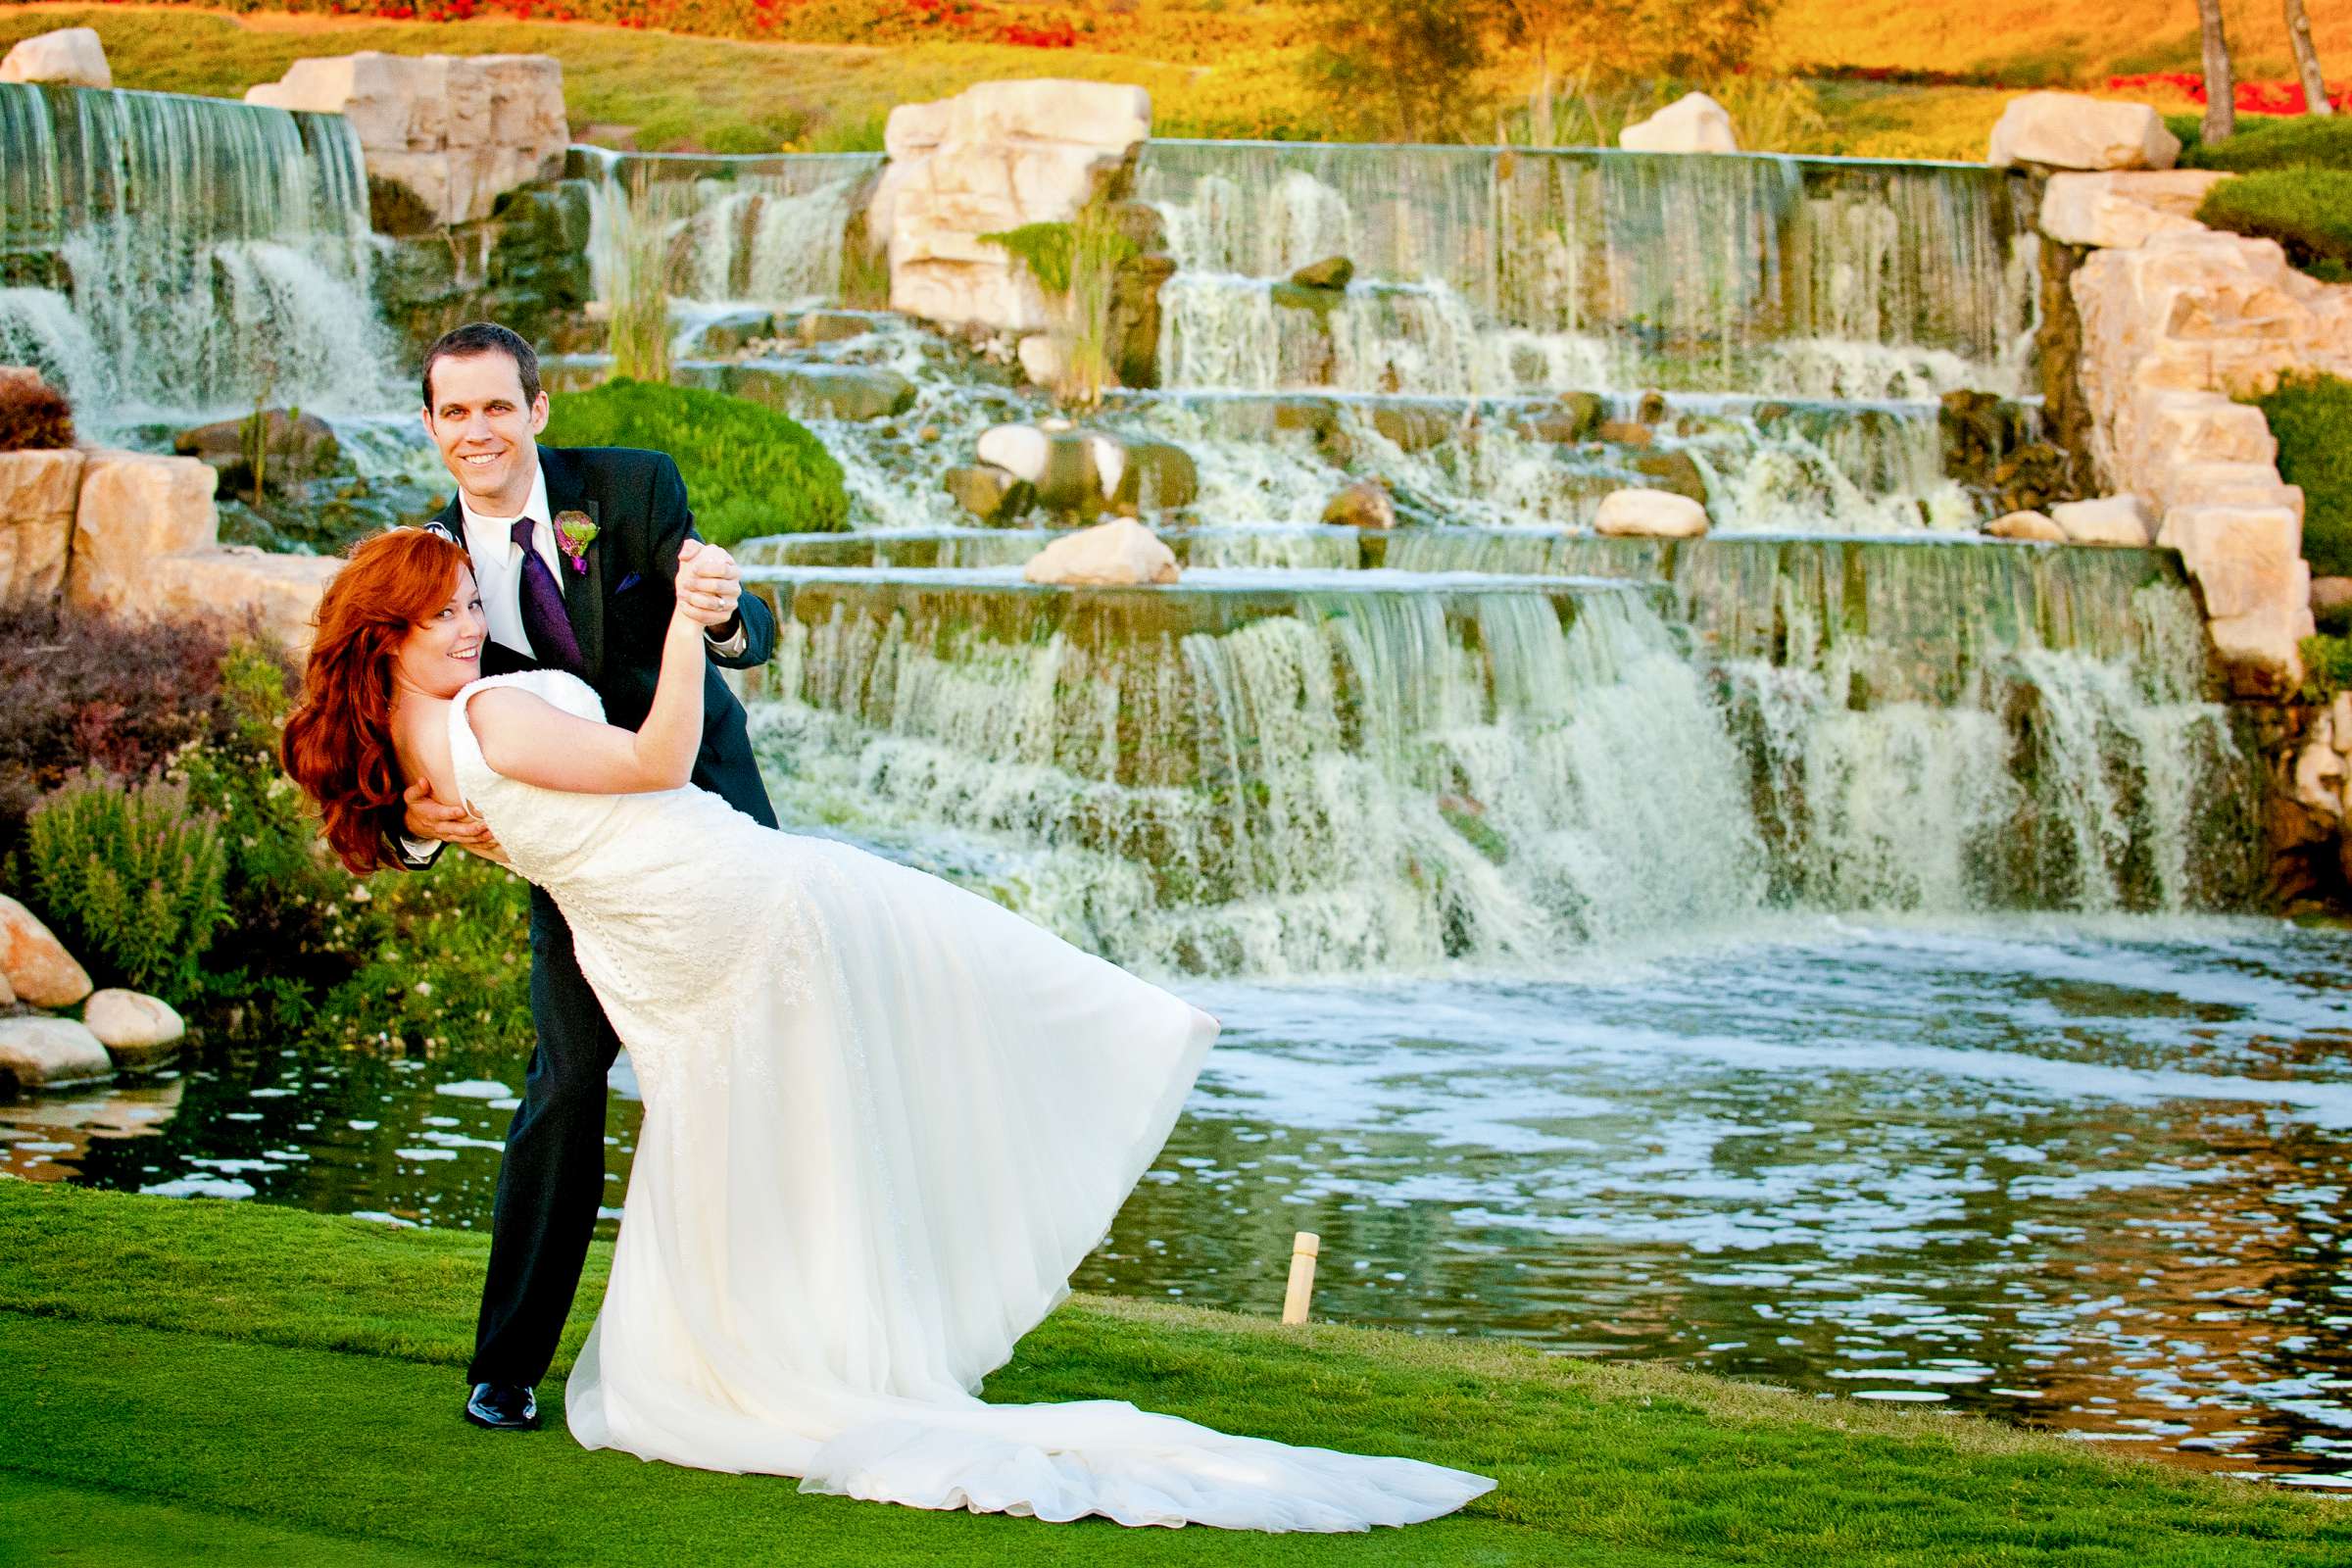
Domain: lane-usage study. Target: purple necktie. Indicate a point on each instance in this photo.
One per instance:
(543, 620)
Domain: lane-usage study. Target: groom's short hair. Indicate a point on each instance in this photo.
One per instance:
(484, 337)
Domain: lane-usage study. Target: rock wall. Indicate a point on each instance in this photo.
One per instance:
(444, 135)
(993, 158)
(135, 534)
(524, 267)
(2177, 321)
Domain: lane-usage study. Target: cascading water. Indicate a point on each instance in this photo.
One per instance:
(763, 231)
(1501, 270)
(1269, 773)
(173, 259)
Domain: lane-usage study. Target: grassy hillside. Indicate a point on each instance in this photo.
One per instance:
(204, 1382)
(1212, 70)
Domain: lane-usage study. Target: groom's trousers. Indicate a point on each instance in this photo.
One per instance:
(552, 1181)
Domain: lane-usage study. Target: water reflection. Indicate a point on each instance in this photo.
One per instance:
(2084, 1176)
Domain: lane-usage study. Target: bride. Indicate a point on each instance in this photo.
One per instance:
(884, 1118)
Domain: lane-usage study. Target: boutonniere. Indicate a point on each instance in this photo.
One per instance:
(574, 533)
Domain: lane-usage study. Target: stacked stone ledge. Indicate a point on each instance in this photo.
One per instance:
(2178, 320)
(457, 131)
(995, 157)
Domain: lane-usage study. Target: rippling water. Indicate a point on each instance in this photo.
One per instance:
(2084, 1175)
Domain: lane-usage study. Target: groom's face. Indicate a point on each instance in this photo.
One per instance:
(485, 429)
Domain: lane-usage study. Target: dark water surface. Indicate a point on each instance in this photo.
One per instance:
(2084, 1175)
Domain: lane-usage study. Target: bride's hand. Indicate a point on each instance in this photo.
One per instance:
(707, 584)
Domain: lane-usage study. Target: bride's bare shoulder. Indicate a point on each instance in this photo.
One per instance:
(420, 737)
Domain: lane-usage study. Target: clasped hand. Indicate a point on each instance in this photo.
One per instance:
(707, 584)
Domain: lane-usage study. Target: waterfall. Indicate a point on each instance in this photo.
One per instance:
(764, 229)
(1236, 777)
(1489, 271)
(173, 259)
(1273, 771)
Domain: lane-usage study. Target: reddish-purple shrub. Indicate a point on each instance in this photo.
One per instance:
(89, 690)
(33, 414)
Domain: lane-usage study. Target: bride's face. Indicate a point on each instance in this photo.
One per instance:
(444, 651)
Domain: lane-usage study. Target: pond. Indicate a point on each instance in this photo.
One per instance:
(2082, 1174)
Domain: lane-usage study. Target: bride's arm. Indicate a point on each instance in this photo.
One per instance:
(524, 738)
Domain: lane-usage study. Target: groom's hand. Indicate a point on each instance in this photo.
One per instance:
(428, 819)
(707, 584)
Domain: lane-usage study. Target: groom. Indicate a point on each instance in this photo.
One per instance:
(580, 555)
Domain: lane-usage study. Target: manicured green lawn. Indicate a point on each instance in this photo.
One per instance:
(200, 1381)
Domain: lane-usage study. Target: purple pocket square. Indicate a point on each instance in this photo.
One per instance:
(628, 582)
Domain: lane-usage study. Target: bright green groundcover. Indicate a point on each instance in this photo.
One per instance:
(197, 1380)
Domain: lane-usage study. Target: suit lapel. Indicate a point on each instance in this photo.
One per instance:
(583, 591)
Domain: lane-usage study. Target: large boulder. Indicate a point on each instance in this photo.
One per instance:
(1153, 476)
(1650, 514)
(50, 1052)
(2069, 130)
(137, 1030)
(278, 594)
(1692, 123)
(2032, 525)
(70, 56)
(989, 493)
(1364, 503)
(1073, 471)
(37, 494)
(1120, 554)
(2125, 209)
(456, 131)
(135, 508)
(996, 156)
(294, 447)
(1330, 272)
(2247, 559)
(39, 969)
(2110, 521)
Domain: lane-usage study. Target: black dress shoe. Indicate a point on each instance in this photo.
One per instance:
(503, 1408)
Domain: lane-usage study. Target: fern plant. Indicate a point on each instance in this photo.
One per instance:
(131, 877)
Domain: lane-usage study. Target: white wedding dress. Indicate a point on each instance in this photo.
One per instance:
(884, 1121)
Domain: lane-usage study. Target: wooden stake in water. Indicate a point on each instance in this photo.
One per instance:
(1304, 1249)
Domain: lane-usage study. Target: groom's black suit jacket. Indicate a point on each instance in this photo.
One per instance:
(620, 608)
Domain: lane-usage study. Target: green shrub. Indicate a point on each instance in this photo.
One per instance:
(2268, 141)
(2312, 419)
(448, 957)
(131, 878)
(2307, 210)
(749, 469)
(2327, 666)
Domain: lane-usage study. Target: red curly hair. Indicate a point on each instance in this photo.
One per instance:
(338, 741)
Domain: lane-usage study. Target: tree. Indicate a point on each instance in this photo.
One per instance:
(2221, 88)
(2307, 61)
(1400, 69)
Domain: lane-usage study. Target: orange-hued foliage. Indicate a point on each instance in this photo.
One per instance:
(1904, 79)
(2032, 42)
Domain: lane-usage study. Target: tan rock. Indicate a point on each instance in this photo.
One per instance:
(7, 992)
(37, 493)
(996, 156)
(1119, 554)
(2214, 484)
(2261, 651)
(1041, 359)
(2331, 595)
(134, 508)
(2246, 560)
(69, 57)
(50, 1052)
(1649, 514)
(278, 594)
(2173, 427)
(1692, 123)
(1365, 503)
(2110, 521)
(2125, 209)
(39, 969)
(137, 1030)
(2318, 779)
(2069, 130)
(457, 131)
(2027, 525)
